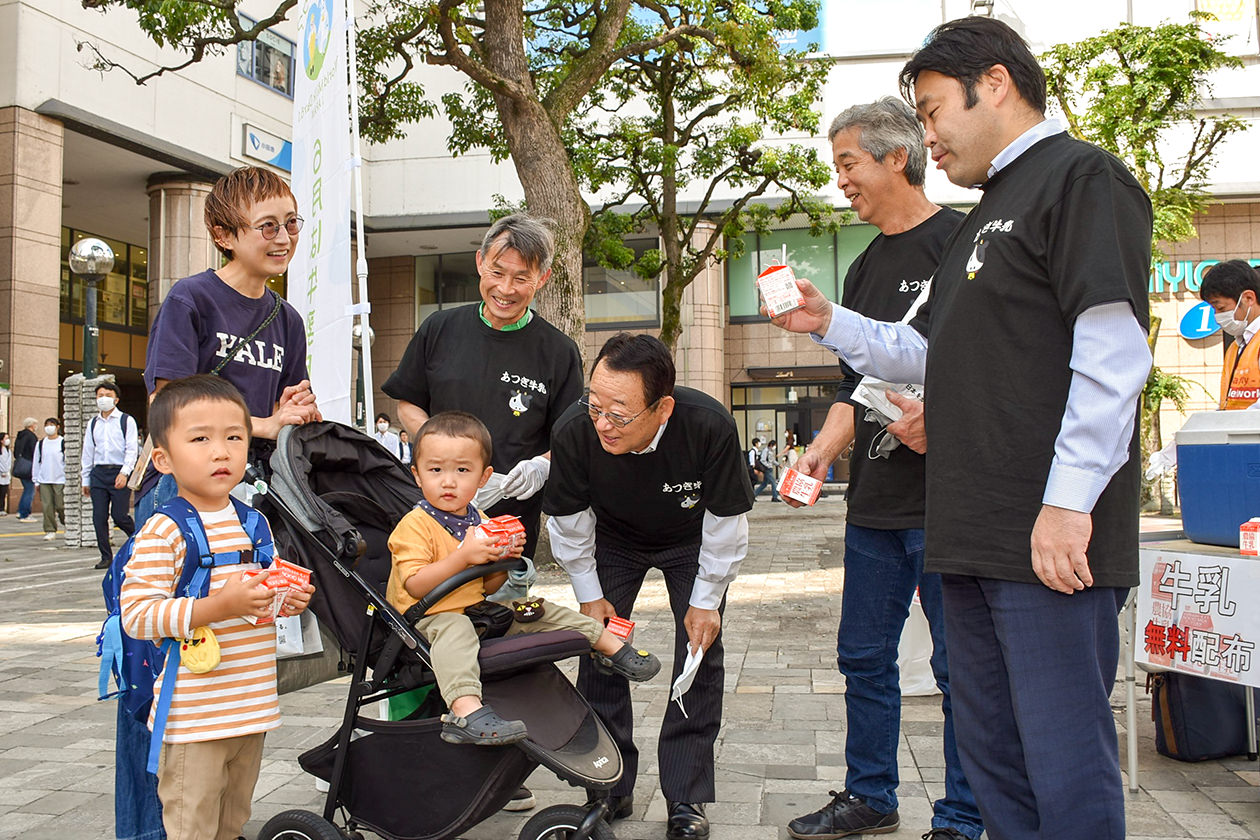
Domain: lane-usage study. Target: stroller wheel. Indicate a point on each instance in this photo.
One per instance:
(299, 825)
(561, 822)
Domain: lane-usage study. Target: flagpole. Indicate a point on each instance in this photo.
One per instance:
(364, 307)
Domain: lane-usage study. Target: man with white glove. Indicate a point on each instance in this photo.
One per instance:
(500, 362)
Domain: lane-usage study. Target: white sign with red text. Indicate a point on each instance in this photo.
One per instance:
(1197, 614)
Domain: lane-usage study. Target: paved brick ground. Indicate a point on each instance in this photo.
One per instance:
(781, 748)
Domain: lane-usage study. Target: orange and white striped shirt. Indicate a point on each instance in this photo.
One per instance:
(238, 697)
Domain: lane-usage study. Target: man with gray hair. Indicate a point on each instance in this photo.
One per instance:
(880, 162)
(500, 362)
(505, 365)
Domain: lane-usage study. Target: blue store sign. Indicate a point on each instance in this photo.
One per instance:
(1199, 322)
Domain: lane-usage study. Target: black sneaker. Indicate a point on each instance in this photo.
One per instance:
(847, 814)
(945, 834)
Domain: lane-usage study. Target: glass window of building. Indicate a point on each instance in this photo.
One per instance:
(268, 61)
(122, 298)
(616, 298)
(824, 260)
(445, 280)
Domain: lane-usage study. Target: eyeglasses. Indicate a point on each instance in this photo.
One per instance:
(616, 419)
(270, 229)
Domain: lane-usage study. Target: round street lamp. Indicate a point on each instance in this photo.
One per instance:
(91, 259)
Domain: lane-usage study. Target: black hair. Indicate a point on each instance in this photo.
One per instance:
(456, 424)
(756, 441)
(1229, 280)
(53, 420)
(382, 416)
(644, 355)
(109, 386)
(965, 49)
(179, 393)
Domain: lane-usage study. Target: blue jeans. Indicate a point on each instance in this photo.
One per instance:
(881, 570)
(1034, 671)
(28, 496)
(137, 810)
(768, 481)
(160, 494)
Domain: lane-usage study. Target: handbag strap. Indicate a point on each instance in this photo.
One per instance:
(275, 310)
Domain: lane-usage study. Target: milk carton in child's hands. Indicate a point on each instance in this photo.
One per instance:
(778, 288)
(799, 487)
(503, 530)
(284, 576)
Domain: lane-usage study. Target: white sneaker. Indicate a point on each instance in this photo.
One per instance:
(51, 535)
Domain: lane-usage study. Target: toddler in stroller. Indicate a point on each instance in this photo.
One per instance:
(439, 539)
(333, 499)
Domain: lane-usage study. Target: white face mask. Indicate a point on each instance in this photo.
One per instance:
(105, 403)
(686, 677)
(50, 430)
(1231, 325)
(382, 426)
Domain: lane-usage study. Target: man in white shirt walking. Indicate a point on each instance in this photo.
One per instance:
(48, 471)
(110, 448)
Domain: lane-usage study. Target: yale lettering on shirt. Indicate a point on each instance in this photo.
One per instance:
(258, 353)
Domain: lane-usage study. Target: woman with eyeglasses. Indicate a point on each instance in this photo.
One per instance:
(225, 322)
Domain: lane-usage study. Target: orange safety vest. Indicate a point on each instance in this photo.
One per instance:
(1240, 380)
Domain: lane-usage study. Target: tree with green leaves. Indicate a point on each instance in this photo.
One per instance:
(687, 125)
(530, 67)
(1134, 91)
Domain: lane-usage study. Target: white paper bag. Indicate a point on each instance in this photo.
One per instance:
(914, 654)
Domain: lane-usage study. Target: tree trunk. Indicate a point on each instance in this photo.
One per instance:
(543, 167)
(671, 305)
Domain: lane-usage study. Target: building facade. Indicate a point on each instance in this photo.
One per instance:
(86, 153)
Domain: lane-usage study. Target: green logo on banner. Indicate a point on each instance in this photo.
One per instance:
(315, 37)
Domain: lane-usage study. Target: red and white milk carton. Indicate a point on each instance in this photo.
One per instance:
(503, 530)
(284, 577)
(1249, 537)
(778, 288)
(622, 628)
(799, 487)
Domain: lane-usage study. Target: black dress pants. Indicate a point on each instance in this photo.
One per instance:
(107, 501)
(685, 747)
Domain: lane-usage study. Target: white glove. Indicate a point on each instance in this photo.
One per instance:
(491, 494)
(526, 478)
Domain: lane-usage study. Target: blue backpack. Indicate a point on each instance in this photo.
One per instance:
(136, 663)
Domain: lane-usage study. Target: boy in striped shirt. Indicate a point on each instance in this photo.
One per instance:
(213, 739)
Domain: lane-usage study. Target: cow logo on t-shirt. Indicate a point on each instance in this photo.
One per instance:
(976, 261)
(519, 402)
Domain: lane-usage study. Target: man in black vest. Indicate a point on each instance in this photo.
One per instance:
(880, 163)
(645, 475)
(1032, 347)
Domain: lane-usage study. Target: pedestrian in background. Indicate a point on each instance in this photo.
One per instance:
(769, 464)
(48, 472)
(23, 459)
(111, 444)
(6, 472)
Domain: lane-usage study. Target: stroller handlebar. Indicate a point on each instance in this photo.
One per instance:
(455, 581)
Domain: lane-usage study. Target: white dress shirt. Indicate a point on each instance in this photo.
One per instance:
(723, 546)
(106, 442)
(1110, 363)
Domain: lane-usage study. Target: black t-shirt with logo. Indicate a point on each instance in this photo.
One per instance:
(883, 282)
(654, 501)
(1063, 228)
(517, 382)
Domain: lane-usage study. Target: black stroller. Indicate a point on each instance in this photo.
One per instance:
(334, 496)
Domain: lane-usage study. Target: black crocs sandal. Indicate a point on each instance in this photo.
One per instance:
(483, 727)
(629, 662)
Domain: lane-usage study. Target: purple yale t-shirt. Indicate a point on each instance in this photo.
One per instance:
(203, 319)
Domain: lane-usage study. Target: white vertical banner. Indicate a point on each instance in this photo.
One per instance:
(319, 276)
